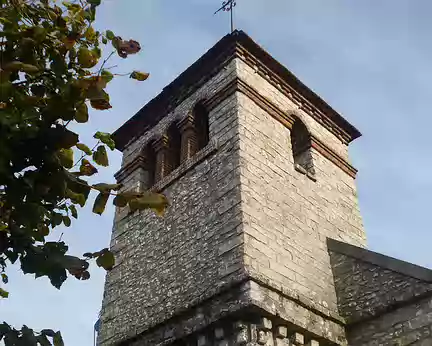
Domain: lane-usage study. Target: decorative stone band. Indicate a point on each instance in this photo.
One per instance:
(237, 45)
(284, 118)
(185, 166)
(241, 313)
(329, 154)
(256, 331)
(167, 180)
(273, 78)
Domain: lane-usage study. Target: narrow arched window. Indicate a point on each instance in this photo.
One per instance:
(301, 143)
(201, 120)
(149, 155)
(174, 145)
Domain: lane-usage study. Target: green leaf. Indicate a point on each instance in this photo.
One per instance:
(81, 113)
(100, 104)
(73, 263)
(105, 138)
(3, 293)
(5, 278)
(43, 340)
(94, 2)
(56, 219)
(96, 94)
(14, 66)
(84, 148)
(28, 337)
(58, 340)
(97, 52)
(38, 90)
(67, 221)
(30, 69)
(66, 157)
(11, 255)
(102, 187)
(104, 40)
(77, 198)
(48, 332)
(85, 275)
(100, 203)
(106, 260)
(86, 58)
(139, 76)
(90, 34)
(87, 168)
(100, 156)
(44, 230)
(4, 329)
(107, 76)
(120, 201)
(157, 202)
(109, 35)
(61, 138)
(73, 211)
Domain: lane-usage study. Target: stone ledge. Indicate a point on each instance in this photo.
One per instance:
(399, 266)
(235, 301)
(186, 166)
(180, 171)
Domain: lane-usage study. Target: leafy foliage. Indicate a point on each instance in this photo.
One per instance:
(51, 72)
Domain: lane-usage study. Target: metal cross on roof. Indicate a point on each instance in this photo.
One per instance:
(228, 6)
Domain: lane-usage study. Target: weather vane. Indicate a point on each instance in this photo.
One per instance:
(228, 6)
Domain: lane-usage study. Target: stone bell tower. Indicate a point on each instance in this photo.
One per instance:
(256, 169)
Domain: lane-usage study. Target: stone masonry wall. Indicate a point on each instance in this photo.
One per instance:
(409, 325)
(243, 210)
(249, 75)
(168, 264)
(365, 289)
(287, 216)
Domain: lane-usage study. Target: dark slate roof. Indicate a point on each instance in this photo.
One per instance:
(203, 69)
(380, 260)
(369, 284)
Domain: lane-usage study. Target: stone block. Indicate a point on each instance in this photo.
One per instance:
(281, 332)
(203, 341)
(219, 333)
(297, 339)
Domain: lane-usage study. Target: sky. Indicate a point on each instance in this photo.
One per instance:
(370, 60)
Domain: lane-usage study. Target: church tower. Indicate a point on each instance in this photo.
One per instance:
(256, 169)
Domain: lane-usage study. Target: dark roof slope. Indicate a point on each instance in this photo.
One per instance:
(369, 284)
(202, 70)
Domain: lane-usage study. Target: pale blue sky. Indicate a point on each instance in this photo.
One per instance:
(371, 60)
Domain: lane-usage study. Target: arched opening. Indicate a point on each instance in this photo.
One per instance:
(201, 120)
(174, 145)
(149, 166)
(301, 143)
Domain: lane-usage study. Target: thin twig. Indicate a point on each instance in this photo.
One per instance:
(105, 61)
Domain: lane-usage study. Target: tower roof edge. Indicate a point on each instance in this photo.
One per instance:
(201, 70)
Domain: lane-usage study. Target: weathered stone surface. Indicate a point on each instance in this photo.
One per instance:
(410, 325)
(287, 217)
(367, 287)
(296, 313)
(169, 264)
(241, 256)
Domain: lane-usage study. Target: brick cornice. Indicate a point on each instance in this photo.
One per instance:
(286, 119)
(331, 155)
(235, 45)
